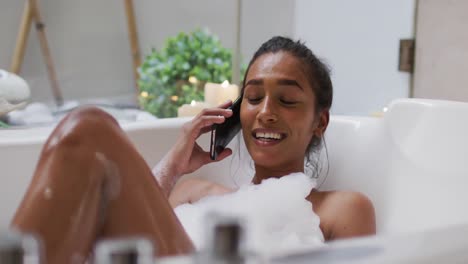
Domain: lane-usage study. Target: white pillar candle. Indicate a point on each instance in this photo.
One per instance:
(216, 94)
(191, 109)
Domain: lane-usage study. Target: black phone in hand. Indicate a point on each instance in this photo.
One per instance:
(222, 134)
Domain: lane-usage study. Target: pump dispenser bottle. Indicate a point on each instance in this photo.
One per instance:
(124, 251)
(226, 242)
(16, 248)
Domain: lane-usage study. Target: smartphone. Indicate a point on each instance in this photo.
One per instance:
(222, 134)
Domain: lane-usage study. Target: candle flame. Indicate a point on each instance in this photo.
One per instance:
(193, 80)
(225, 84)
(193, 103)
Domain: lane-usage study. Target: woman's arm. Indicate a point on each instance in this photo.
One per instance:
(193, 189)
(355, 216)
(344, 214)
(186, 155)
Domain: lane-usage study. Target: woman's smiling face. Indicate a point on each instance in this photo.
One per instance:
(278, 113)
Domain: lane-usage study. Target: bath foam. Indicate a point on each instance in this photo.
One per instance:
(279, 220)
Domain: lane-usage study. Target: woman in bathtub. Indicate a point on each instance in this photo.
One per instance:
(91, 183)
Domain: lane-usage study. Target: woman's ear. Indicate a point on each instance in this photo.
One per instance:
(323, 119)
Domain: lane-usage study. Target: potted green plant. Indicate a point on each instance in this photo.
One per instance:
(177, 73)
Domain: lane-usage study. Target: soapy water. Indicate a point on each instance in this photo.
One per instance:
(42, 114)
(279, 220)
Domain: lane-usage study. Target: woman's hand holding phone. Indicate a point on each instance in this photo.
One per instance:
(222, 134)
(187, 156)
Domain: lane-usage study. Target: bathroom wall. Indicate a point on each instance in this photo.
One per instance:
(88, 39)
(442, 50)
(360, 41)
(89, 43)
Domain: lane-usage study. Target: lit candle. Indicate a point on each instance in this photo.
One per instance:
(216, 94)
(191, 109)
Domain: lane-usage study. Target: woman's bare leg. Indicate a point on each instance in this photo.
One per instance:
(91, 183)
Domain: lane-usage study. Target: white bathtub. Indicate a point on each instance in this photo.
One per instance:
(412, 162)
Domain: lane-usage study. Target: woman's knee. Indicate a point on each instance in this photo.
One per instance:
(81, 126)
(90, 115)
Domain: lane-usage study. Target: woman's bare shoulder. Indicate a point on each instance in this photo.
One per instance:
(193, 189)
(344, 213)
